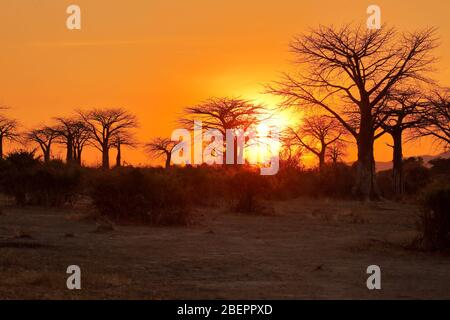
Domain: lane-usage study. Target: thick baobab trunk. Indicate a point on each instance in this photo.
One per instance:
(69, 154)
(335, 160)
(321, 157)
(47, 155)
(119, 155)
(78, 156)
(75, 154)
(397, 171)
(366, 186)
(235, 151)
(105, 158)
(168, 159)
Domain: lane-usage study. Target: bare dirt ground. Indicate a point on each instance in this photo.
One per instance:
(308, 249)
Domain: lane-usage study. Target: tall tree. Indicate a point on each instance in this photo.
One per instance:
(291, 153)
(161, 147)
(436, 117)
(81, 137)
(337, 151)
(8, 131)
(44, 137)
(348, 72)
(402, 112)
(104, 124)
(66, 129)
(316, 134)
(119, 140)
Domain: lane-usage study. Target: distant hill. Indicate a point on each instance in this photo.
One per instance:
(381, 166)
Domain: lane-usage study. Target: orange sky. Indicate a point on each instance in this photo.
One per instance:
(155, 57)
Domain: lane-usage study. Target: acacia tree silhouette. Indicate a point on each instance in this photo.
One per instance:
(81, 137)
(224, 114)
(8, 131)
(348, 72)
(316, 134)
(290, 153)
(402, 112)
(73, 134)
(161, 147)
(104, 125)
(436, 117)
(120, 139)
(44, 137)
(337, 151)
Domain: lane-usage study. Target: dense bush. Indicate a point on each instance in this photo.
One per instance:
(140, 195)
(416, 175)
(54, 184)
(386, 183)
(29, 181)
(159, 196)
(16, 175)
(440, 166)
(204, 185)
(434, 222)
(247, 187)
(334, 181)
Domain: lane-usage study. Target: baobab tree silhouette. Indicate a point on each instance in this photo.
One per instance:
(348, 72)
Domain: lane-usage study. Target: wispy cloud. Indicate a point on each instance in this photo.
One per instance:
(90, 43)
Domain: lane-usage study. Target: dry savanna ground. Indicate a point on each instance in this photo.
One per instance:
(305, 249)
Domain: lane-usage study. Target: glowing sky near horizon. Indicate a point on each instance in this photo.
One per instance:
(156, 57)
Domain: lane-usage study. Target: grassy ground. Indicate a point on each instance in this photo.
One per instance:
(306, 249)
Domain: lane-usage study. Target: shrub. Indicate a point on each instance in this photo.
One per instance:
(16, 175)
(204, 185)
(415, 175)
(140, 196)
(29, 181)
(386, 184)
(434, 224)
(415, 178)
(54, 184)
(336, 181)
(247, 188)
(440, 166)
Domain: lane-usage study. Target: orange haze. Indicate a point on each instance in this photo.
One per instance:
(155, 57)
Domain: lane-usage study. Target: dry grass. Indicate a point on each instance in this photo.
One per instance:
(306, 249)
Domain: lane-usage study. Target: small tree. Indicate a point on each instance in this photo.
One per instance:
(337, 151)
(316, 134)
(290, 152)
(436, 117)
(82, 136)
(104, 125)
(161, 147)
(402, 112)
(8, 131)
(119, 140)
(44, 137)
(69, 130)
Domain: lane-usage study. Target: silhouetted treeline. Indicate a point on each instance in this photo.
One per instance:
(30, 180)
